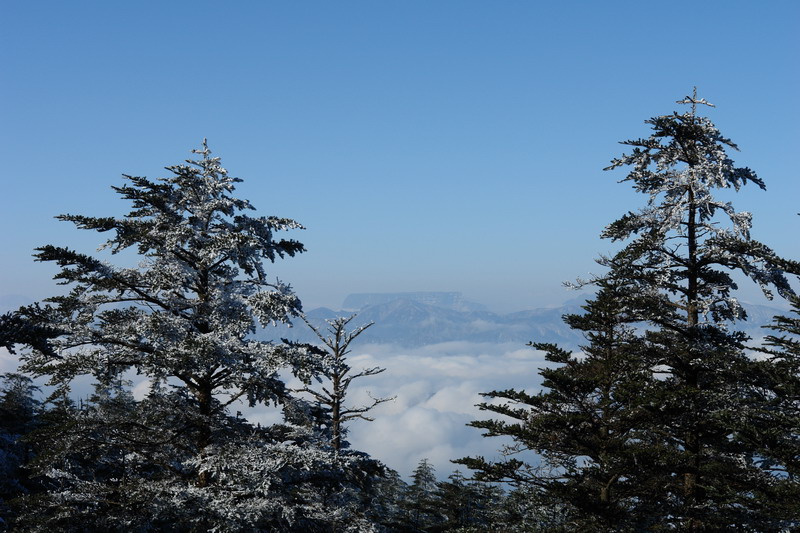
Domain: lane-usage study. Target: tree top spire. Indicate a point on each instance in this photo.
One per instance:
(694, 100)
(205, 152)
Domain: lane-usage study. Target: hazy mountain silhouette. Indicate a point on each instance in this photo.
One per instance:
(408, 320)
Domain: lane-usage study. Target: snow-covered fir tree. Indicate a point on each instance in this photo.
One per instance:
(183, 318)
(336, 376)
(469, 506)
(421, 502)
(661, 444)
(685, 245)
(584, 425)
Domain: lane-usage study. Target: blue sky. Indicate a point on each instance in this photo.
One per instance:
(449, 145)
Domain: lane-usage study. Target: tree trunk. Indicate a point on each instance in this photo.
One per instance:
(336, 413)
(204, 399)
(691, 477)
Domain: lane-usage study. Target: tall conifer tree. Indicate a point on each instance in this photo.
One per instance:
(679, 459)
(183, 318)
(336, 370)
(685, 246)
(587, 424)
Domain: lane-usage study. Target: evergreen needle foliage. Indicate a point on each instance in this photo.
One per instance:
(657, 424)
(184, 318)
(336, 371)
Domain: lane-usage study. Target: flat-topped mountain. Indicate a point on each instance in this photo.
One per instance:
(445, 300)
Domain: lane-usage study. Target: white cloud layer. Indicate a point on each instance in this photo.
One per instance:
(8, 362)
(435, 387)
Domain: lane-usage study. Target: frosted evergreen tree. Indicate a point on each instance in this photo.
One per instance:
(184, 319)
(386, 506)
(469, 505)
(338, 376)
(421, 500)
(662, 443)
(186, 311)
(586, 425)
(684, 247)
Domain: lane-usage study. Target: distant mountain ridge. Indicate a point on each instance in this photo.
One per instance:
(418, 319)
(445, 300)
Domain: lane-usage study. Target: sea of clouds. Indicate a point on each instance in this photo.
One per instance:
(435, 389)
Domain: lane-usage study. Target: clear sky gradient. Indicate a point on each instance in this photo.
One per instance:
(448, 145)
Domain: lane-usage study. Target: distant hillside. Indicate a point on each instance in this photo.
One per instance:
(408, 319)
(418, 319)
